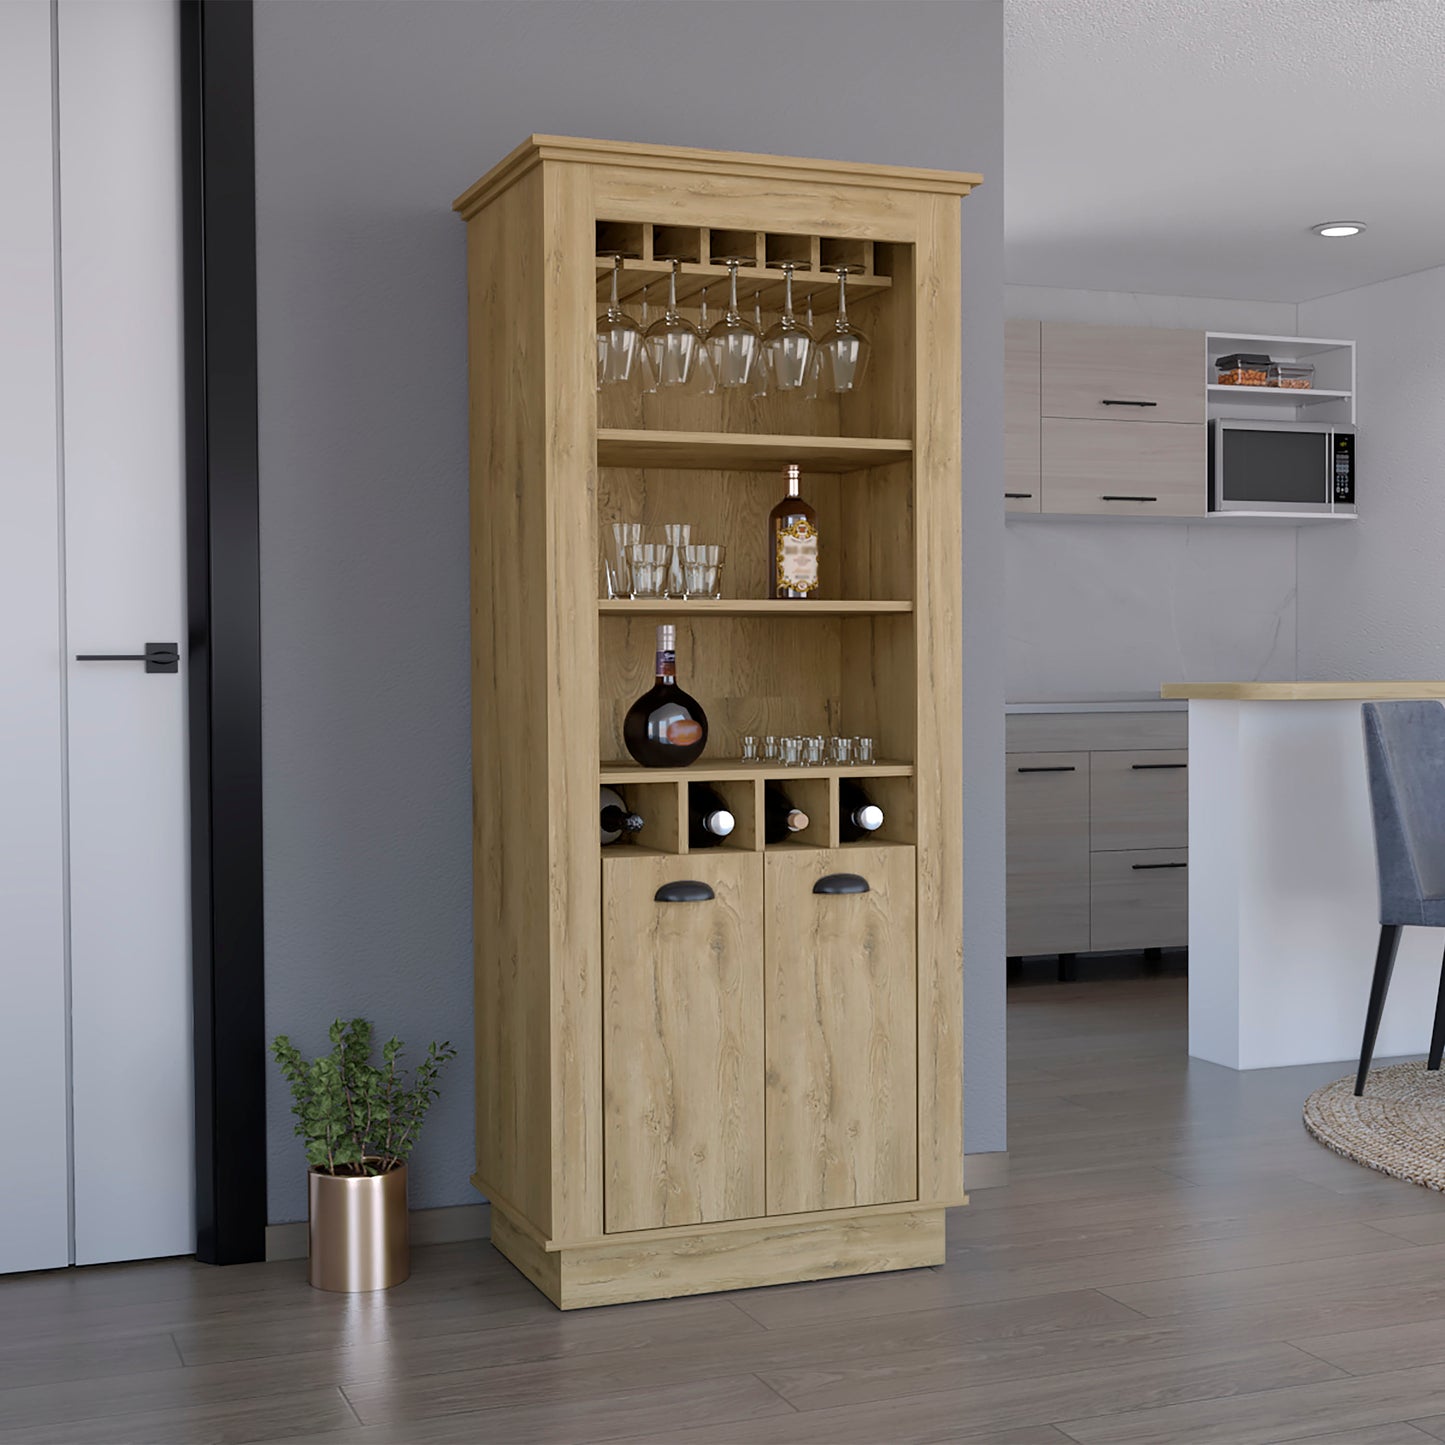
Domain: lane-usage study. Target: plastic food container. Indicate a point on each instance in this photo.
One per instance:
(1243, 368)
(1292, 375)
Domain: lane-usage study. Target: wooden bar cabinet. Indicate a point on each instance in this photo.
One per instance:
(764, 1084)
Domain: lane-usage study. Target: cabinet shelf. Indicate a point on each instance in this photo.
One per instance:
(734, 769)
(1278, 395)
(748, 607)
(724, 451)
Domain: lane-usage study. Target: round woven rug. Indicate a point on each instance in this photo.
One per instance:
(1398, 1127)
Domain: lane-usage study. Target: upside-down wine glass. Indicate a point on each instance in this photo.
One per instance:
(788, 346)
(672, 340)
(841, 352)
(732, 343)
(619, 337)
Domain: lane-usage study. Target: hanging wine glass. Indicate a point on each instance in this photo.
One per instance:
(672, 341)
(841, 352)
(733, 343)
(619, 337)
(760, 368)
(788, 346)
(704, 373)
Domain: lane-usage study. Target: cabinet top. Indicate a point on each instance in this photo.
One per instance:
(1303, 691)
(538, 148)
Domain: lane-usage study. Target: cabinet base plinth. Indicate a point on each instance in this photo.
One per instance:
(704, 1261)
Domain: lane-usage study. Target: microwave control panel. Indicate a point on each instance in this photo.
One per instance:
(1344, 469)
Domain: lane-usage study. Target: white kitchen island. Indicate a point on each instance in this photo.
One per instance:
(1283, 903)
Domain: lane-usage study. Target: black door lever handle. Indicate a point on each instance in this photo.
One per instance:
(158, 657)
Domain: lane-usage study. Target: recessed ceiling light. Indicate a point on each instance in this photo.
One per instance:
(1338, 228)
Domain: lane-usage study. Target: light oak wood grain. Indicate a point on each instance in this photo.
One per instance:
(1086, 367)
(683, 1051)
(841, 1001)
(704, 451)
(1118, 468)
(1047, 852)
(1303, 691)
(1022, 465)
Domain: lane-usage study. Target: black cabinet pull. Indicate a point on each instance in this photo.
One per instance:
(1067, 768)
(158, 657)
(1156, 767)
(1017, 496)
(1147, 867)
(1128, 499)
(841, 883)
(685, 890)
(1109, 401)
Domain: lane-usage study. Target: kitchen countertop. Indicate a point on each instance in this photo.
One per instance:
(1302, 691)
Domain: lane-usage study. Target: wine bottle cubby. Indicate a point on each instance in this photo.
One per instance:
(710, 1067)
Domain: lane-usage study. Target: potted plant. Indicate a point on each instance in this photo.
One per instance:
(360, 1122)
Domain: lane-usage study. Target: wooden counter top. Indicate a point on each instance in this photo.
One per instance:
(1303, 691)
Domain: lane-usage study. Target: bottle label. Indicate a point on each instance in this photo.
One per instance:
(797, 559)
(666, 664)
(683, 732)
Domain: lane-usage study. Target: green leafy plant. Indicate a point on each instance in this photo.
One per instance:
(357, 1117)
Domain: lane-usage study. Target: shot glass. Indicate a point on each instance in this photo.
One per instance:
(862, 750)
(702, 566)
(840, 750)
(647, 562)
(791, 751)
(770, 749)
(813, 752)
(750, 749)
(621, 537)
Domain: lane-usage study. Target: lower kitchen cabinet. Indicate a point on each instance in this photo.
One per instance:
(682, 1056)
(1139, 899)
(1138, 800)
(841, 1001)
(1047, 808)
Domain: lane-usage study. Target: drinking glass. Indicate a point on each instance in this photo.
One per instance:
(770, 748)
(788, 346)
(621, 537)
(790, 751)
(813, 751)
(840, 354)
(840, 750)
(750, 748)
(677, 535)
(619, 337)
(732, 343)
(702, 565)
(862, 750)
(647, 562)
(672, 341)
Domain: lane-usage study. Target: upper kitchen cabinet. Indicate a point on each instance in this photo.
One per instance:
(1123, 373)
(1022, 354)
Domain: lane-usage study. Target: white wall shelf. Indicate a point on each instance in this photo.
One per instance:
(1333, 360)
(1277, 396)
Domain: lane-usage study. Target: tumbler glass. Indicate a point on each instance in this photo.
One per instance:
(862, 750)
(840, 750)
(791, 750)
(813, 751)
(621, 537)
(750, 748)
(702, 565)
(678, 535)
(770, 748)
(648, 564)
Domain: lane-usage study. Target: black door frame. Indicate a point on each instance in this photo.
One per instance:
(223, 579)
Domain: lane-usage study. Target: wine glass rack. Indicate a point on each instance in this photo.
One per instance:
(657, 1021)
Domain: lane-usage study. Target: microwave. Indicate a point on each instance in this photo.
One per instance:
(1285, 467)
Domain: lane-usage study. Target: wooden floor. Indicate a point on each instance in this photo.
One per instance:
(1175, 1261)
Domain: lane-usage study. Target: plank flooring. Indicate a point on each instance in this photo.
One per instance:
(1174, 1262)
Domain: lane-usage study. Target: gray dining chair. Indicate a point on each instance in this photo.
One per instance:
(1405, 754)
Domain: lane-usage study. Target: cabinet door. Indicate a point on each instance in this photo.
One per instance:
(1130, 373)
(1140, 900)
(682, 1062)
(1139, 800)
(842, 1029)
(1021, 464)
(1118, 469)
(1047, 801)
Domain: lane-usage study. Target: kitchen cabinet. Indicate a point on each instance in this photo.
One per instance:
(1131, 374)
(1098, 830)
(1022, 432)
(1120, 469)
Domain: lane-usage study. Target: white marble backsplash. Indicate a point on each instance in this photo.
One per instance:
(1098, 611)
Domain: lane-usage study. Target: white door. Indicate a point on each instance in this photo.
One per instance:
(117, 490)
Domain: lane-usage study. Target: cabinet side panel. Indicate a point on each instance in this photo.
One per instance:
(509, 780)
(938, 509)
(566, 594)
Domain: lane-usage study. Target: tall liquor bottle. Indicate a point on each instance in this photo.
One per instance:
(615, 817)
(780, 818)
(793, 544)
(708, 819)
(858, 815)
(665, 727)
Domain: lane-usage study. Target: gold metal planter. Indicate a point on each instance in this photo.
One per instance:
(358, 1237)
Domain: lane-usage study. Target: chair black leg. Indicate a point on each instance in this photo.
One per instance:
(1437, 1034)
(1384, 966)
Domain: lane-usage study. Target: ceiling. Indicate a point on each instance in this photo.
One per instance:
(1185, 147)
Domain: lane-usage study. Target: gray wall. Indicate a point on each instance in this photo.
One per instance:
(370, 117)
(1373, 593)
(1111, 611)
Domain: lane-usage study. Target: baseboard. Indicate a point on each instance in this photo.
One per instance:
(428, 1226)
(474, 1221)
(985, 1171)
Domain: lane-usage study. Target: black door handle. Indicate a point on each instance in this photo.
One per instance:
(1156, 767)
(1128, 499)
(1147, 867)
(1068, 768)
(158, 657)
(685, 890)
(841, 883)
(1107, 401)
(1017, 496)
